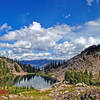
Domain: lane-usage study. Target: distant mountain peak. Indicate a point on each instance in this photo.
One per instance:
(38, 63)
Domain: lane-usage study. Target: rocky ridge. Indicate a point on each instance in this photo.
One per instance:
(88, 59)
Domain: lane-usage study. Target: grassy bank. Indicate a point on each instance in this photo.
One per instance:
(22, 93)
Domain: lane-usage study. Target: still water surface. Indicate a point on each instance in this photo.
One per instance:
(35, 81)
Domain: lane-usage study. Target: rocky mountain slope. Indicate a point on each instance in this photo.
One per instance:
(88, 59)
(8, 66)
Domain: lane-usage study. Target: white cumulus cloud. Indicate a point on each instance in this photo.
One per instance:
(56, 42)
(5, 27)
(89, 2)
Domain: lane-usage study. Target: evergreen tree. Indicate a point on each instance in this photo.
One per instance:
(90, 75)
(68, 76)
(99, 75)
(86, 77)
(59, 63)
(86, 72)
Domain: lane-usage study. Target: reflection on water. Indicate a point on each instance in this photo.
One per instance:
(35, 81)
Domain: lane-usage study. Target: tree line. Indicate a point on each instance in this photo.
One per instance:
(53, 65)
(30, 69)
(74, 77)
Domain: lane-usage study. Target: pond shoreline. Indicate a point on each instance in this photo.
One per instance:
(26, 73)
(20, 74)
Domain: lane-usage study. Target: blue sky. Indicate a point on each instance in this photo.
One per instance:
(18, 13)
(53, 29)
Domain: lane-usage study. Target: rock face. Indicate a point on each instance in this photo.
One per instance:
(88, 59)
(65, 91)
(81, 85)
(93, 94)
(8, 66)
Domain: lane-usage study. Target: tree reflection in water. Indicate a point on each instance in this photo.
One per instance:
(35, 81)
